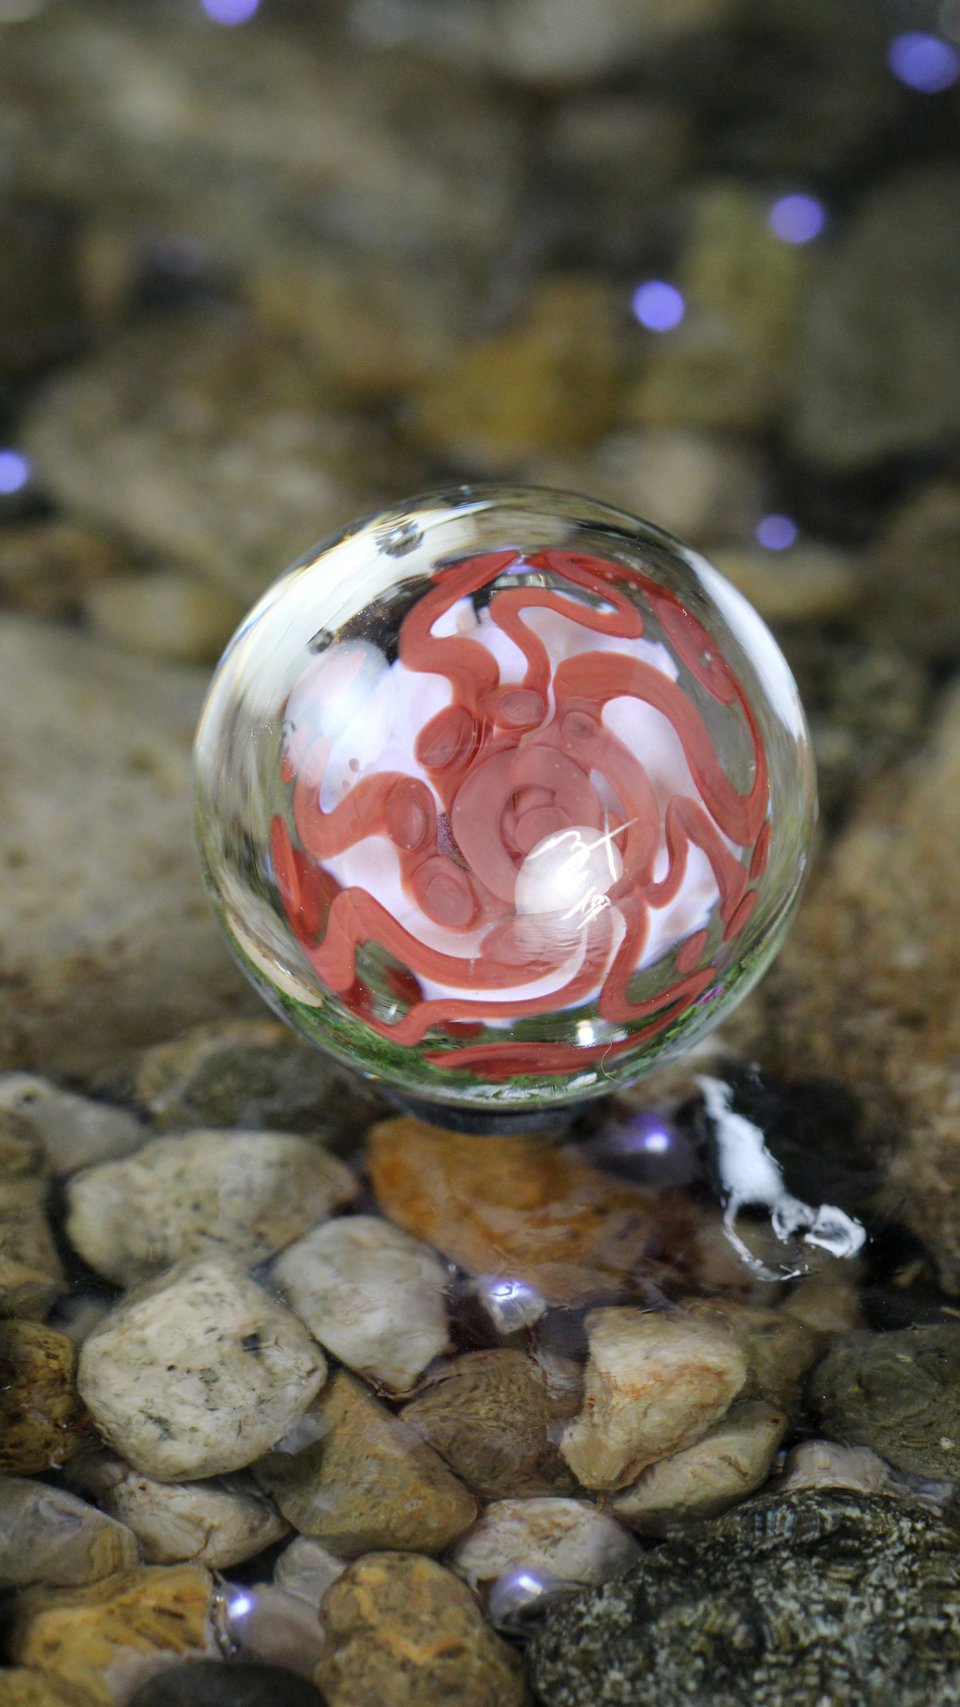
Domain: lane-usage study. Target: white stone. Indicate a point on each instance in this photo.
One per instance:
(73, 1131)
(215, 1523)
(306, 1569)
(370, 1294)
(199, 1373)
(733, 1459)
(655, 1382)
(247, 1192)
(567, 1539)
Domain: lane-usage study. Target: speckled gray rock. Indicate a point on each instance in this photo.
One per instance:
(198, 1373)
(354, 1477)
(495, 1417)
(898, 1393)
(256, 1075)
(31, 1274)
(72, 1131)
(205, 1683)
(248, 1193)
(371, 1294)
(566, 1539)
(50, 1536)
(811, 1598)
(731, 1461)
(215, 1523)
(879, 368)
(106, 940)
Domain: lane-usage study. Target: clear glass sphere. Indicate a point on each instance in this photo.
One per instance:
(503, 797)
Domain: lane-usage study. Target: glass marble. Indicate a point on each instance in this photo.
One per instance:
(503, 797)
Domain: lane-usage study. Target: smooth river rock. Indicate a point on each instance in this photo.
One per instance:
(568, 1540)
(218, 1523)
(898, 1393)
(42, 1421)
(731, 1461)
(49, 1536)
(72, 1131)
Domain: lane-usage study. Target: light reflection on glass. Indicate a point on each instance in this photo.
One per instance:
(15, 471)
(658, 306)
(923, 62)
(776, 533)
(230, 12)
(797, 218)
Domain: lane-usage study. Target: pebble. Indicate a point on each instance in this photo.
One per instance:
(21, 1686)
(865, 990)
(208, 444)
(494, 1417)
(306, 1570)
(356, 1479)
(567, 1540)
(924, 531)
(555, 43)
(252, 1074)
(42, 1421)
(105, 1637)
(811, 582)
(654, 1384)
(267, 1626)
(547, 383)
(779, 1348)
(215, 1523)
(371, 1295)
(49, 1536)
(47, 567)
(731, 1461)
(246, 1193)
(898, 1393)
(162, 613)
(72, 1131)
(878, 368)
(31, 1274)
(205, 1683)
(519, 1208)
(402, 1630)
(810, 1598)
(827, 1464)
(41, 313)
(198, 1373)
(729, 363)
(106, 941)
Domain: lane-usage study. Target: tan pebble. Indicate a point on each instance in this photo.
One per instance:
(243, 1192)
(31, 1275)
(518, 1207)
(372, 1295)
(217, 1523)
(494, 1417)
(274, 1628)
(23, 1687)
(307, 1570)
(162, 613)
(654, 1384)
(808, 583)
(733, 1459)
(105, 1637)
(356, 1478)
(779, 1348)
(568, 1539)
(198, 1373)
(42, 1420)
(401, 1629)
(49, 1536)
(72, 1131)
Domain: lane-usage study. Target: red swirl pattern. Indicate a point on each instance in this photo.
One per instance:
(508, 764)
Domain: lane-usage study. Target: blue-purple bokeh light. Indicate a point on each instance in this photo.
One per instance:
(924, 62)
(776, 532)
(797, 218)
(658, 306)
(230, 12)
(15, 472)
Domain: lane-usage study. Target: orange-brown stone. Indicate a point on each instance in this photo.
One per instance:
(519, 1206)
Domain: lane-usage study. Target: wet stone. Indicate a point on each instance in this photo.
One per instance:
(162, 613)
(218, 1523)
(42, 1420)
(371, 1295)
(559, 1539)
(248, 1193)
(654, 1384)
(205, 1683)
(809, 1598)
(519, 1208)
(922, 607)
(731, 1461)
(267, 1625)
(103, 1638)
(49, 1536)
(401, 1629)
(354, 1477)
(198, 1373)
(47, 567)
(251, 1074)
(898, 1393)
(779, 1349)
(72, 1131)
(495, 1418)
(31, 1275)
(826, 1464)
(809, 583)
(21, 1686)
(307, 1570)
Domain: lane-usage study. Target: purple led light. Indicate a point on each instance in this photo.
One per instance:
(14, 471)
(777, 533)
(797, 218)
(923, 62)
(658, 306)
(230, 12)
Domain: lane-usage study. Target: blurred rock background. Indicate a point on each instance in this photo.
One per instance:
(266, 265)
